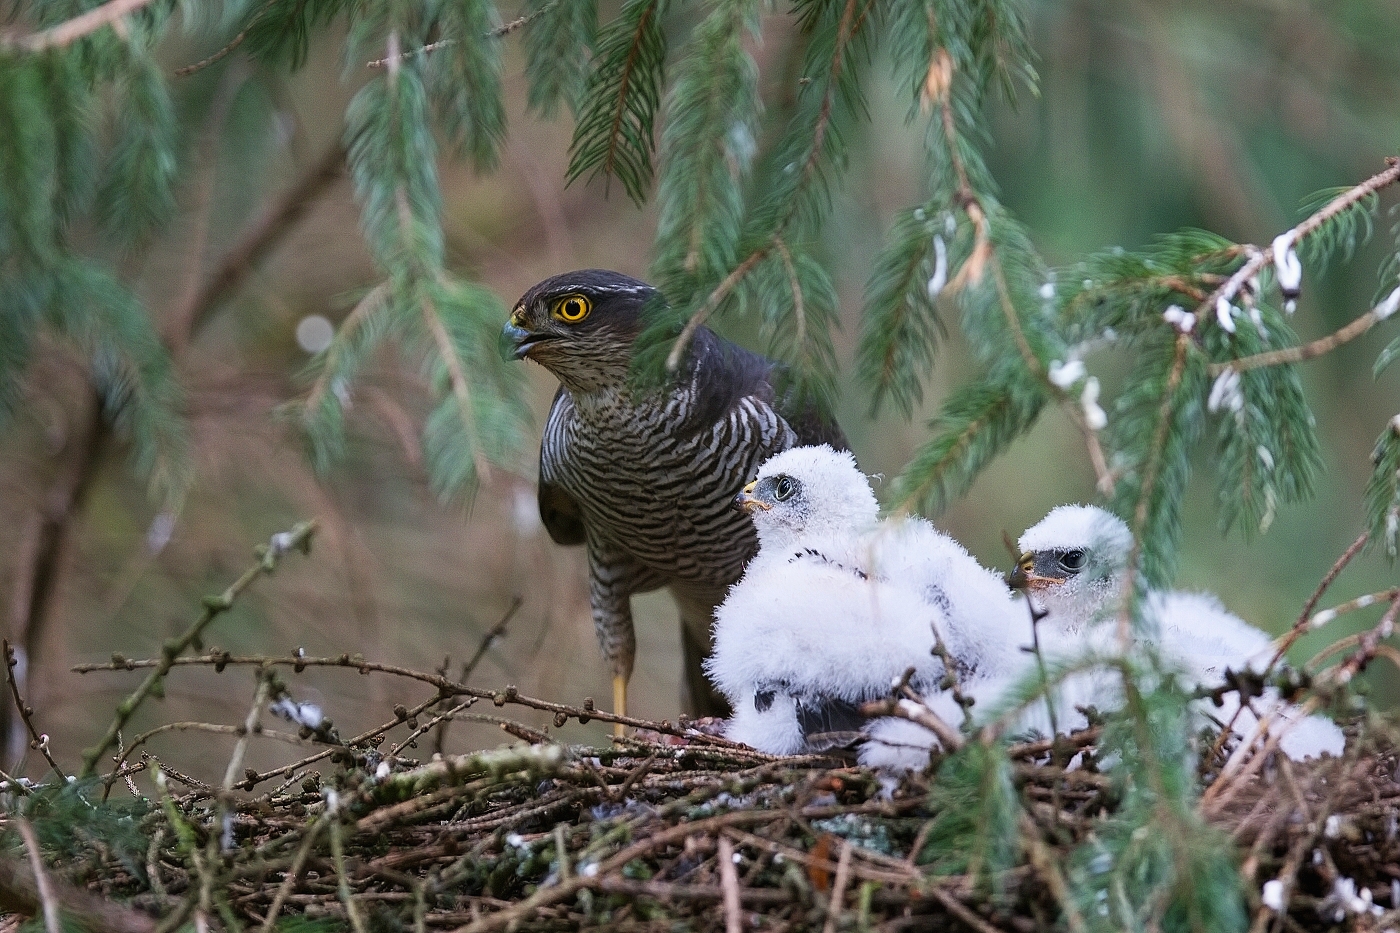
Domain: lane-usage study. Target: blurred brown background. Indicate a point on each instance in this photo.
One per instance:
(1150, 116)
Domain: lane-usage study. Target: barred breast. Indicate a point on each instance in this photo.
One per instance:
(661, 495)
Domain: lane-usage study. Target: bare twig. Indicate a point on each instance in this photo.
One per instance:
(838, 887)
(298, 538)
(293, 874)
(504, 29)
(38, 740)
(234, 43)
(1305, 616)
(41, 877)
(490, 637)
(260, 237)
(347, 898)
(509, 695)
(905, 708)
(71, 30)
(729, 882)
(1309, 350)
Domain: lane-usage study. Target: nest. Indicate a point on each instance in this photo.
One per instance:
(666, 829)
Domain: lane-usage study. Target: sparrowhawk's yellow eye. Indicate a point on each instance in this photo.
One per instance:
(572, 308)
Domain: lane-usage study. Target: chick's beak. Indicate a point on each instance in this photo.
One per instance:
(745, 501)
(1024, 576)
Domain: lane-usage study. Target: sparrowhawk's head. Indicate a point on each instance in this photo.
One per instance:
(1072, 563)
(580, 326)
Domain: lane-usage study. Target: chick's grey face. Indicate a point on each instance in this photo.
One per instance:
(1040, 570)
(580, 326)
(775, 502)
(1073, 584)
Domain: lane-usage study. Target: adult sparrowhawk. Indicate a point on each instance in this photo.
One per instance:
(645, 478)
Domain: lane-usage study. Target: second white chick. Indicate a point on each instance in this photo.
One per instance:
(1073, 567)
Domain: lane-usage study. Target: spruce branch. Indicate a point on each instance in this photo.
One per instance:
(299, 538)
(938, 91)
(1360, 325)
(1383, 490)
(613, 136)
(1151, 470)
(69, 31)
(712, 303)
(1261, 259)
(461, 387)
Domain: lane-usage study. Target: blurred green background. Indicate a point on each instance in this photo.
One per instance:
(1150, 116)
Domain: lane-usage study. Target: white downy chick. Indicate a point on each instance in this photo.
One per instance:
(800, 645)
(1073, 565)
(837, 605)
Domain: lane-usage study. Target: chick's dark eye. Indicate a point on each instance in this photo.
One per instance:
(783, 488)
(1072, 561)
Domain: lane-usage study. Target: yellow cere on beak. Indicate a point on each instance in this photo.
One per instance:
(745, 501)
(1024, 576)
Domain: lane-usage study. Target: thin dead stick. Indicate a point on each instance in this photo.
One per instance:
(260, 236)
(445, 686)
(123, 755)
(38, 740)
(838, 887)
(729, 883)
(250, 726)
(1318, 347)
(52, 923)
(1303, 617)
(289, 881)
(904, 708)
(1327, 616)
(959, 910)
(234, 43)
(1043, 861)
(299, 538)
(347, 898)
(496, 632)
(899, 876)
(70, 31)
(504, 29)
(1367, 643)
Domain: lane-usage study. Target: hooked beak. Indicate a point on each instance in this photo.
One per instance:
(517, 342)
(746, 502)
(1024, 576)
